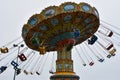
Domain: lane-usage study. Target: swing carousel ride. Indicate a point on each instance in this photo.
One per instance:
(61, 29)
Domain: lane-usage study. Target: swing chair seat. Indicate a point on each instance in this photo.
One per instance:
(3, 68)
(22, 57)
(108, 56)
(25, 72)
(112, 52)
(37, 73)
(91, 63)
(18, 71)
(92, 40)
(110, 34)
(101, 60)
(84, 64)
(51, 72)
(13, 63)
(31, 73)
(110, 46)
(77, 33)
(4, 50)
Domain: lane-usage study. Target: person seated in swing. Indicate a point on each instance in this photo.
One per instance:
(92, 40)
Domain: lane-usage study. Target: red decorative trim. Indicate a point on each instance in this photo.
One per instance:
(66, 42)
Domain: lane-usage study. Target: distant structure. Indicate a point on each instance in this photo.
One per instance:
(62, 28)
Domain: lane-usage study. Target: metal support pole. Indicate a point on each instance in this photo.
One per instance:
(17, 59)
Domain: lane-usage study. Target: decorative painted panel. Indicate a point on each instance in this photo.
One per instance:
(69, 7)
(67, 18)
(33, 21)
(85, 7)
(50, 12)
(54, 22)
(43, 27)
(24, 31)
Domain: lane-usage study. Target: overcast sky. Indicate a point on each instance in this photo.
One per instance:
(15, 13)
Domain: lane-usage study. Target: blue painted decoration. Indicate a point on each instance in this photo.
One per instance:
(88, 20)
(54, 22)
(50, 12)
(67, 18)
(33, 21)
(69, 7)
(24, 31)
(77, 33)
(43, 27)
(86, 7)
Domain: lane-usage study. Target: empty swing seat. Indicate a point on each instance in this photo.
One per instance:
(101, 60)
(91, 63)
(110, 46)
(4, 50)
(37, 73)
(84, 64)
(31, 73)
(25, 72)
(112, 52)
(13, 63)
(109, 56)
(110, 34)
